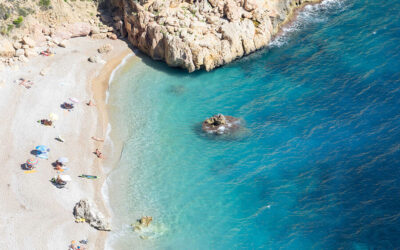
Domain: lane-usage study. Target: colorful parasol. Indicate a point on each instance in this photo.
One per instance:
(32, 161)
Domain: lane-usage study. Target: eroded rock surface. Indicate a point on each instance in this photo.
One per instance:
(197, 34)
(220, 124)
(85, 209)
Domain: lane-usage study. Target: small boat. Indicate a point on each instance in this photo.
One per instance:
(88, 176)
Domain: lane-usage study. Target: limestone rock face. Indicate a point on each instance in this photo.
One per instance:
(232, 11)
(85, 209)
(6, 48)
(201, 34)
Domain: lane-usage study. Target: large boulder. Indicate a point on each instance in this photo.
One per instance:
(95, 59)
(61, 33)
(220, 124)
(250, 5)
(105, 48)
(88, 211)
(30, 52)
(6, 48)
(29, 41)
(19, 52)
(79, 29)
(232, 11)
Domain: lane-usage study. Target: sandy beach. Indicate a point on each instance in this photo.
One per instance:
(36, 214)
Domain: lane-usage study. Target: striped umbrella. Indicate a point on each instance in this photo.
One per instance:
(32, 161)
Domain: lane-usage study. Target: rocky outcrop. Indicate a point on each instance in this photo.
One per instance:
(6, 48)
(220, 124)
(201, 34)
(106, 48)
(87, 211)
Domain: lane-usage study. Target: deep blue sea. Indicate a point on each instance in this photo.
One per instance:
(318, 166)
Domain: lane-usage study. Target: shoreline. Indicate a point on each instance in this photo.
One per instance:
(99, 87)
(291, 19)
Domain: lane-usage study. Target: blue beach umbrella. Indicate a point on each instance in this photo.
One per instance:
(42, 148)
(43, 156)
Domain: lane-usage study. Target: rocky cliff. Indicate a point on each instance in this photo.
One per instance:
(202, 34)
(26, 27)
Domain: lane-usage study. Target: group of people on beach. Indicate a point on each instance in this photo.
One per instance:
(59, 166)
(26, 83)
(75, 246)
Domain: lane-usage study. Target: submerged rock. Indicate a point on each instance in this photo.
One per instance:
(220, 124)
(142, 223)
(88, 211)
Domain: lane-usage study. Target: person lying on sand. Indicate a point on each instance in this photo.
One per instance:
(90, 103)
(99, 154)
(68, 106)
(46, 52)
(26, 83)
(58, 166)
(97, 139)
(45, 122)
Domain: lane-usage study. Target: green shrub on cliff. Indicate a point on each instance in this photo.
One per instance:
(17, 22)
(4, 12)
(45, 4)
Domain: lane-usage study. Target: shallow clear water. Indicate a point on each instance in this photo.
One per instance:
(317, 167)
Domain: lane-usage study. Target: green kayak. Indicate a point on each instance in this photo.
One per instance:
(88, 176)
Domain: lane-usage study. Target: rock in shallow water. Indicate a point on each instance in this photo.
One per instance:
(220, 124)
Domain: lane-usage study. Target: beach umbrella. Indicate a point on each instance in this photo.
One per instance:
(43, 155)
(62, 160)
(32, 161)
(65, 177)
(73, 99)
(53, 117)
(42, 148)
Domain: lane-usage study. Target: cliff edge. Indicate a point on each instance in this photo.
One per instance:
(202, 34)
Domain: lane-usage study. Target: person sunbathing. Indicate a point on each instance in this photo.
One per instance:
(58, 166)
(99, 154)
(68, 106)
(26, 83)
(59, 181)
(90, 103)
(46, 52)
(46, 122)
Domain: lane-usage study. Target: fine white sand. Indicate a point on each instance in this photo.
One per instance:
(34, 213)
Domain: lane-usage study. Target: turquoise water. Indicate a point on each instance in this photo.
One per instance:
(317, 167)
